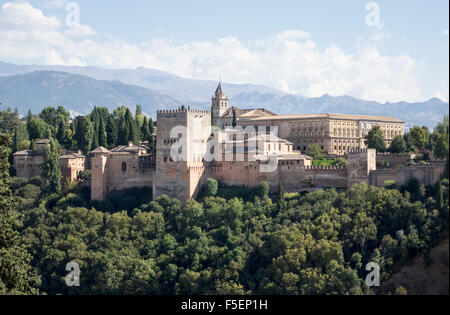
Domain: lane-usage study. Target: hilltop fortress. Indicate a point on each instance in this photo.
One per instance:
(263, 146)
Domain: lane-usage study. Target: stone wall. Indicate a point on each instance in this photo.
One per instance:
(394, 159)
(99, 176)
(111, 172)
(71, 167)
(125, 172)
(360, 164)
(294, 177)
(425, 174)
(28, 166)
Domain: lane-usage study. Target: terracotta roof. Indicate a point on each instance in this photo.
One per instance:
(72, 155)
(27, 152)
(100, 150)
(129, 149)
(330, 116)
(250, 112)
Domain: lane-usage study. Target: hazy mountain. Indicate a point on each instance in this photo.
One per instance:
(187, 90)
(77, 93)
(427, 113)
(81, 88)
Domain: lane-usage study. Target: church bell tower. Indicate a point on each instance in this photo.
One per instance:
(219, 102)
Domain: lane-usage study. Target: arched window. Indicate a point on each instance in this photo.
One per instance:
(124, 167)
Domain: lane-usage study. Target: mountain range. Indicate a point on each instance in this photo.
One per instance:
(79, 89)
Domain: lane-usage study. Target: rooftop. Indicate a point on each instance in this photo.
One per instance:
(72, 155)
(329, 116)
(27, 153)
(129, 149)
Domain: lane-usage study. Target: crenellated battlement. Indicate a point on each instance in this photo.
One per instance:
(175, 112)
(325, 168)
(356, 151)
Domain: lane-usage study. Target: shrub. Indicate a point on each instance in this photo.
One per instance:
(210, 188)
(262, 191)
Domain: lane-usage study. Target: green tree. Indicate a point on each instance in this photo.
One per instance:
(51, 171)
(440, 145)
(419, 137)
(375, 139)
(20, 135)
(151, 140)
(111, 132)
(234, 122)
(49, 115)
(213, 123)
(145, 130)
(9, 120)
(262, 191)
(398, 145)
(139, 116)
(37, 129)
(440, 139)
(133, 134)
(123, 136)
(61, 135)
(15, 270)
(33, 145)
(84, 134)
(315, 152)
(102, 137)
(94, 144)
(210, 187)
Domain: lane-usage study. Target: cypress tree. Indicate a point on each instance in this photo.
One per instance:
(94, 144)
(84, 134)
(151, 139)
(51, 171)
(61, 134)
(151, 126)
(133, 134)
(145, 130)
(281, 198)
(111, 132)
(15, 141)
(123, 133)
(33, 145)
(102, 140)
(234, 122)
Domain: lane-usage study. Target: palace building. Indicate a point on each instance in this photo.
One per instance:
(190, 150)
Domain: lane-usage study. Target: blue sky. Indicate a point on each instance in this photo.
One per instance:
(303, 47)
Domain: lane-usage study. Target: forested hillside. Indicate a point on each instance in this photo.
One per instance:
(316, 244)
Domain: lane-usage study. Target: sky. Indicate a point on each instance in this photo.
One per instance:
(374, 50)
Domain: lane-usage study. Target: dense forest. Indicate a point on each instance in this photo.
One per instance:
(231, 240)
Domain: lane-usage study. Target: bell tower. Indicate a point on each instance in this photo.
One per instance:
(219, 102)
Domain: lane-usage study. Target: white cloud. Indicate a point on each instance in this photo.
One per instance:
(55, 4)
(378, 36)
(80, 30)
(289, 61)
(442, 91)
(445, 32)
(24, 17)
